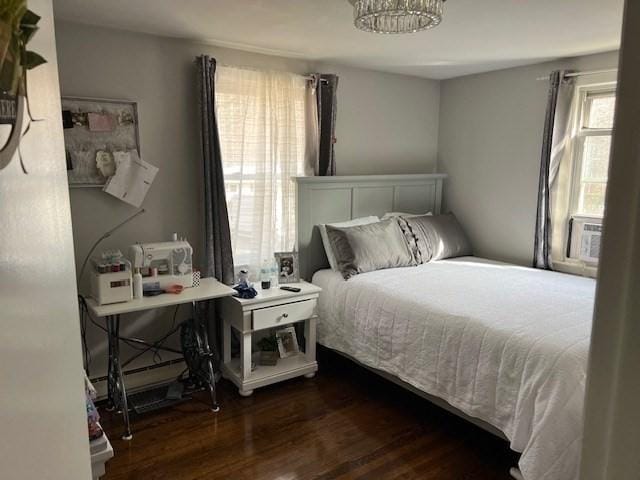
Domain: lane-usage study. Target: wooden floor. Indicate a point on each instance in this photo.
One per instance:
(346, 423)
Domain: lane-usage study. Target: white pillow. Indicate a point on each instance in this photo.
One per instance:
(350, 223)
(389, 215)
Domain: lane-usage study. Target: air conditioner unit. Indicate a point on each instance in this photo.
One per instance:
(590, 242)
(584, 239)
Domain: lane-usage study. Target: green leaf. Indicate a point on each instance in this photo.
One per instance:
(30, 18)
(32, 60)
(27, 32)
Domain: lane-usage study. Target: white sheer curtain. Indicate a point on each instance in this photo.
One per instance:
(262, 125)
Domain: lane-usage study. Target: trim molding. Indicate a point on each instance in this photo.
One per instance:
(389, 179)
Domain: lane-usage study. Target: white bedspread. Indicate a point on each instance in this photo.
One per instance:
(502, 343)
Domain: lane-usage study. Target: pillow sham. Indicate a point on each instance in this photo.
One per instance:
(349, 223)
(434, 237)
(365, 248)
(388, 215)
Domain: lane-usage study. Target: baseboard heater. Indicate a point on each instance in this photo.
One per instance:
(144, 378)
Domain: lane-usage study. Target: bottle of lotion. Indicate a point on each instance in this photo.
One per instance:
(137, 284)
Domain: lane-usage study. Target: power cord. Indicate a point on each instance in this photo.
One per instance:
(104, 236)
(84, 311)
(83, 335)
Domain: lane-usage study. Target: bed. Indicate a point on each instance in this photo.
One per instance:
(503, 345)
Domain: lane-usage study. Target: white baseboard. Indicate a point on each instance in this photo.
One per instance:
(143, 379)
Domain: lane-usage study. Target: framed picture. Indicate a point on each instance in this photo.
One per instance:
(287, 342)
(288, 270)
(93, 130)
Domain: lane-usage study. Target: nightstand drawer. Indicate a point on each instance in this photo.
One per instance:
(283, 314)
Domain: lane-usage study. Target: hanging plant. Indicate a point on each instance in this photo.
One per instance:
(18, 25)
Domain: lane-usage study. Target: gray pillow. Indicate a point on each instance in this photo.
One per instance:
(434, 237)
(365, 248)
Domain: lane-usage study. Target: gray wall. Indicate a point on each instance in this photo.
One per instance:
(386, 124)
(490, 140)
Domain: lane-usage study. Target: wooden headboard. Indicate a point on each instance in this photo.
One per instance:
(337, 199)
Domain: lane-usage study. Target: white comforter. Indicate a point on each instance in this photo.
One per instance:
(502, 343)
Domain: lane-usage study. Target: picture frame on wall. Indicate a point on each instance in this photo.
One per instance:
(288, 267)
(94, 129)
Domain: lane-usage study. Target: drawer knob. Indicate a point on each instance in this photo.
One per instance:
(285, 315)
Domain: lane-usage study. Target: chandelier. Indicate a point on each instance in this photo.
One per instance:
(396, 16)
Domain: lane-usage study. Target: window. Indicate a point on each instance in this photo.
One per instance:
(578, 196)
(592, 148)
(261, 122)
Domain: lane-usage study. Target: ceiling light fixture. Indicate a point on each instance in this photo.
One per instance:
(396, 16)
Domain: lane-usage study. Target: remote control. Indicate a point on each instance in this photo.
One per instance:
(291, 289)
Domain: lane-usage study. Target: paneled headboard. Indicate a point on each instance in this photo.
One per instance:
(337, 199)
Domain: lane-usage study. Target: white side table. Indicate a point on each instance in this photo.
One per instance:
(272, 308)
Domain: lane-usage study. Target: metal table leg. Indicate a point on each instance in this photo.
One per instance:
(111, 401)
(117, 389)
(206, 348)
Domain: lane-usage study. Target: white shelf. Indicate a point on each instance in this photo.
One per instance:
(286, 368)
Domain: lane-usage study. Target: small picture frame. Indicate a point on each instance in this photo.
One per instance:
(288, 269)
(287, 342)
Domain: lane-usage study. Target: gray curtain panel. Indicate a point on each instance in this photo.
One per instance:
(218, 255)
(326, 86)
(555, 136)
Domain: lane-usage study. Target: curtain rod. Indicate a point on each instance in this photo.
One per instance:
(309, 78)
(580, 74)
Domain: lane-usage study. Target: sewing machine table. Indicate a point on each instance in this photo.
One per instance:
(209, 289)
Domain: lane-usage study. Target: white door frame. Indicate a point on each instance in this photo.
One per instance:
(43, 418)
(612, 412)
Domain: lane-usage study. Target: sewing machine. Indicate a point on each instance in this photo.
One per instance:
(163, 264)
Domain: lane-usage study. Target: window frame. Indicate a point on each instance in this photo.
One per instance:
(570, 215)
(580, 134)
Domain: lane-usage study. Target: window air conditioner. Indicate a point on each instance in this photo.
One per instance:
(584, 243)
(590, 242)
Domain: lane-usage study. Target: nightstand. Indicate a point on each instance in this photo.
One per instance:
(270, 309)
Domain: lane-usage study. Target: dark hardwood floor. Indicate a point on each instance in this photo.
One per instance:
(346, 423)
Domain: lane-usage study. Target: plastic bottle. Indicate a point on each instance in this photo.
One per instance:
(265, 275)
(137, 284)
